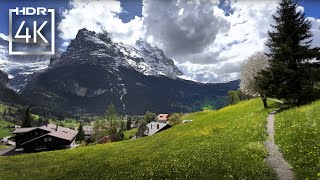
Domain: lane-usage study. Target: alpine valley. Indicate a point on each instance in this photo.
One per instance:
(95, 71)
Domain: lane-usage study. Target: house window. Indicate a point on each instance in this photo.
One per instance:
(36, 133)
(50, 139)
(45, 139)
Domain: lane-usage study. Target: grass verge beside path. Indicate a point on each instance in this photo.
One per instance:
(297, 133)
(223, 144)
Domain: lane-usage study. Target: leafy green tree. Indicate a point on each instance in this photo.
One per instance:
(175, 119)
(111, 114)
(233, 97)
(141, 129)
(99, 130)
(122, 126)
(10, 112)
(149, 117)
(292, 73)
(27, 122)
(80, 135)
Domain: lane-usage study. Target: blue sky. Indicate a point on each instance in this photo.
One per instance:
(208, 43)
(131, 9)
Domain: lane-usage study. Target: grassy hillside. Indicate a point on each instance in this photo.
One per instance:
(298, 136)
(2, 107)
(223, 144)
(130, 133)
(4, 131)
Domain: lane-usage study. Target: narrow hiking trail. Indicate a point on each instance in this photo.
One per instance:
(275, 158)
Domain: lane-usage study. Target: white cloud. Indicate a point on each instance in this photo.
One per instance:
(207, 45)
(315, 29)
(95, 15)
(4, 37)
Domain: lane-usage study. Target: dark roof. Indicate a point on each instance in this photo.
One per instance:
(23, 130)
(60, 132)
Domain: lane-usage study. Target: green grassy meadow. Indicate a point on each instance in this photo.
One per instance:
(298, 136)
(222, 144)
(130, 133)
(4, 131)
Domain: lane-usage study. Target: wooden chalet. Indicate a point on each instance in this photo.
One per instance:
(47, 137)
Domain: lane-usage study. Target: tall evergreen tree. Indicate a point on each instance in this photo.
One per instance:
(80, 135)
(27, 121)
(291, 74)
(4, 113)
(128, 124)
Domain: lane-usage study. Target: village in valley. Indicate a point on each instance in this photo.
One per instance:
(54, 136)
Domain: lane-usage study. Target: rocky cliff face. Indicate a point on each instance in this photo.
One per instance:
(98, 49)
(21, 68)
(6, 94)
(95, 71)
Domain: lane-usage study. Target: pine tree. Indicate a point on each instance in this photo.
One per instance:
(291, 74)
(80, 136)
(4, 113)
(128, 124)
(27, 122)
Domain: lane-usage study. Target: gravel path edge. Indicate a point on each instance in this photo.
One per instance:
(275, 158)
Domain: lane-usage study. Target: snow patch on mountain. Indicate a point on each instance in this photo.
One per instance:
(19, 68)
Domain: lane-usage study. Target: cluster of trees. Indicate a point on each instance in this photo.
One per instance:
(113, 125)
(236, 96)
(175, 118)
(22, 116)
(290, 70)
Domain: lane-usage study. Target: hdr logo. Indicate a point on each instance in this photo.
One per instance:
(31, 31)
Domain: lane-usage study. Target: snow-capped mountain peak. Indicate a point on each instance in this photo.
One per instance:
(142, 56)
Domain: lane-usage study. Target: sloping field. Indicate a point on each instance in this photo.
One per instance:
(298, 136)
(223, 144)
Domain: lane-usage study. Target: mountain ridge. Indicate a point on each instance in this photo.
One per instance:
(94, 71)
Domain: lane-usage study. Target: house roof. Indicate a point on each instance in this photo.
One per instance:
(88, 130)
(23, 130)
(162, 117)
(87, 127)
(61, 132)
(155, 127)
